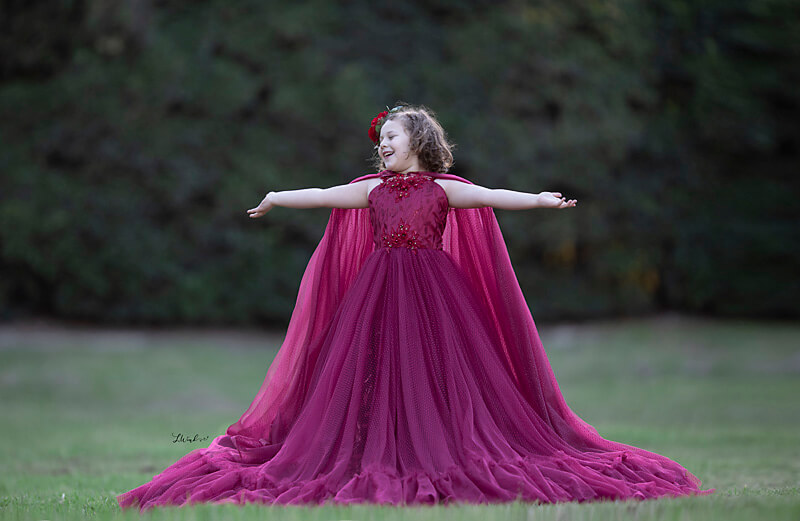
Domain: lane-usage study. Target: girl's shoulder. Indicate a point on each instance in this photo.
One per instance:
(447, 183)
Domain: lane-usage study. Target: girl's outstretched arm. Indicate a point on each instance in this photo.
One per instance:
(463, 195)
(353, 195)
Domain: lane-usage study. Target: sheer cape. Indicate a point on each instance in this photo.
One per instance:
(473, 238)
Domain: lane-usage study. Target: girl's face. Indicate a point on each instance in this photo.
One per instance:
(394, 148)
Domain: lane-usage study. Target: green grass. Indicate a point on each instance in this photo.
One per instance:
(88, 416)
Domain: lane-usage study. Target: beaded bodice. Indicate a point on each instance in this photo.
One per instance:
(408, 211)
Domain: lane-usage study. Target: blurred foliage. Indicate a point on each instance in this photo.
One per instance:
(135, 134)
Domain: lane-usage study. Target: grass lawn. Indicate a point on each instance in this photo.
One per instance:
(89, 414)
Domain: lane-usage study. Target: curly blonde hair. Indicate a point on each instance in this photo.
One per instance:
(427, 138)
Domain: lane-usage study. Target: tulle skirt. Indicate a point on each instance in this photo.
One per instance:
(409, 404)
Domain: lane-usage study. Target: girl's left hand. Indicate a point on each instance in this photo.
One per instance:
(555, 200)
(263, 207)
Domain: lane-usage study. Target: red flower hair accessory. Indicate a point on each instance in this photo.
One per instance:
(377, 123)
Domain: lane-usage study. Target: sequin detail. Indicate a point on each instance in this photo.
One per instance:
(417, 220)
(402, 183)
(402, 237)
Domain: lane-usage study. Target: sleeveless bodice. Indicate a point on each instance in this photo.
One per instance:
(408, 211)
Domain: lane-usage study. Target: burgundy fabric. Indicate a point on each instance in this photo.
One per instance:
(411, 373)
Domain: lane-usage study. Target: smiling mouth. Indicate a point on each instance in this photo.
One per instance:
(387, 154)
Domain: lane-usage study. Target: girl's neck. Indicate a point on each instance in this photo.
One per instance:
(413, 167)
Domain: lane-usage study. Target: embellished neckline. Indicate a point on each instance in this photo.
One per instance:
(392, 173)
(402, 183)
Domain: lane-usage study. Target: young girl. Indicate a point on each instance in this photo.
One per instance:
(412, 371)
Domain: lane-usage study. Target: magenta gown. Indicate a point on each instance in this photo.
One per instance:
(407, 402)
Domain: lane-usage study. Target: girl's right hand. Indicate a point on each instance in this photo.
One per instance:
(262, 208)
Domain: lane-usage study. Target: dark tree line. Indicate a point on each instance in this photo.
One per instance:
(134, 135)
